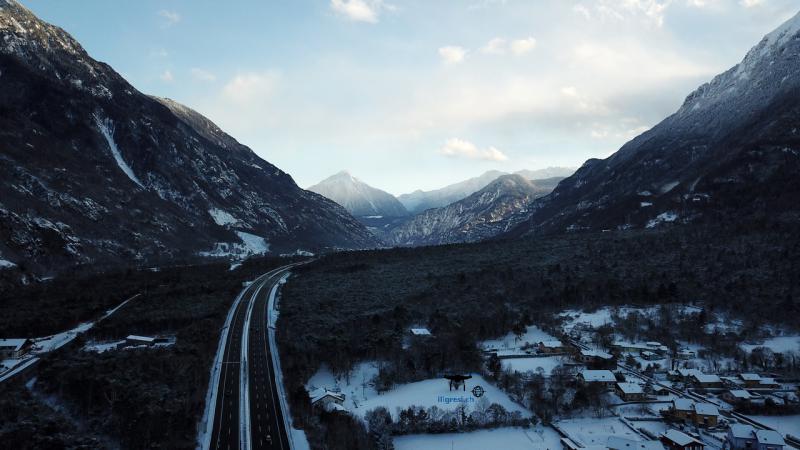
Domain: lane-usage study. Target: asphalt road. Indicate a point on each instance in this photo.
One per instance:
(267, 429)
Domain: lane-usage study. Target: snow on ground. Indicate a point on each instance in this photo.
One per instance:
(780, 344)
(594, 431)
(107, 130)
(5, 264)
(523, 365)
(221, 217)
(781, 424)
(360, 394)
(655, 427)
(533, 335)
(100, 347)
(257, 245)
(544, 438)
(669, 216)
(299, 440)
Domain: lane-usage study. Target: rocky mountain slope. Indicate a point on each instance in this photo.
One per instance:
(731, 150)
(93, 171)
(493, 210)
(419, 200)
(359, 198)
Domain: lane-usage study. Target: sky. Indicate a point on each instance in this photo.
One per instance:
(418, 94)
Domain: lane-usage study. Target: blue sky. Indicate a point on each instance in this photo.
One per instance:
(410, 94)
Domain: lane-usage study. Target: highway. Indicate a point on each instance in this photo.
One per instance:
(247, 378)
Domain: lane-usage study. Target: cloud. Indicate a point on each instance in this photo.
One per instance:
(452, 54)
(459, 148)
(648, 11)
(500, 46)
(522, 46)
(202, 75)
(360, 10)
(170, 17)
(167, 77)
(751, 3)
(250, 88)
(496, 46)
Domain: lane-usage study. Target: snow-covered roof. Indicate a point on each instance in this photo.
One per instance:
(705, 409)
(742, 431)
(318, 394)
(678, 437)
(596, 354)
(769, 437)
(740, 393)
(683, 404)
(767, 381)
(333, 406)
(552, 343)
(598, 375)
(706, 378)
(134, 337)
(688, 372)
(630, 388)
(420, 332)
(621, 443)
(16, 344)
(750, 376)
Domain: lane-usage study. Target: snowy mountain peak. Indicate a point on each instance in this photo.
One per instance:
(359, 198)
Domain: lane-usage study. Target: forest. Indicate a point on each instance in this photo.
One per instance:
(350, 307)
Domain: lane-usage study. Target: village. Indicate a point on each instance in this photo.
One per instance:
(604, 392)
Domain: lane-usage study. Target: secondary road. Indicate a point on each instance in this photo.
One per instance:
(247, 412)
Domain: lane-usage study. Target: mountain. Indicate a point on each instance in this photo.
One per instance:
(359, 198)
(419, 201)
(732, 150)
(92, 171)
(493, 210)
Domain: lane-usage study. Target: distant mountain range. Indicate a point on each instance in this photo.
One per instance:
(357, 197)
(94, 172)
(493, 210)
(732, 150)
(419, 200)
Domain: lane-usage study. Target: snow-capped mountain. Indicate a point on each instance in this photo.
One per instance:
(419, 200)
(732, 150)
(493, 210)
(359, 198)
(92, 170)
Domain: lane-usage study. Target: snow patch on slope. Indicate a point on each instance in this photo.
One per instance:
(5, 264)
(221, 217)
(106, 128)
(257, 245)
(668, 216)
(251, 245)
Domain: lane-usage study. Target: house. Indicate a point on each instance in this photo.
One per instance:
(706, 381)
(630, 392)
(134, 340)
(551, 346)
(685, 353)
(604, 377)
(751, 380)
(745, 437)
(737, 396)
(769, 440)
(768, 383)
(682, 374)
(596, 359)
(620, 443)
(327, 400)
(741, 437)
(705, 415)
(637, 348)
(14, 348)
(682, 408)
(677, 440)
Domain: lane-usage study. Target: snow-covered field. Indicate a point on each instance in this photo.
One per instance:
(362, 397)
(522, 365)
(781, 424)
(594, 431)
(544, 438)
(780, 344)
(533, 335)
